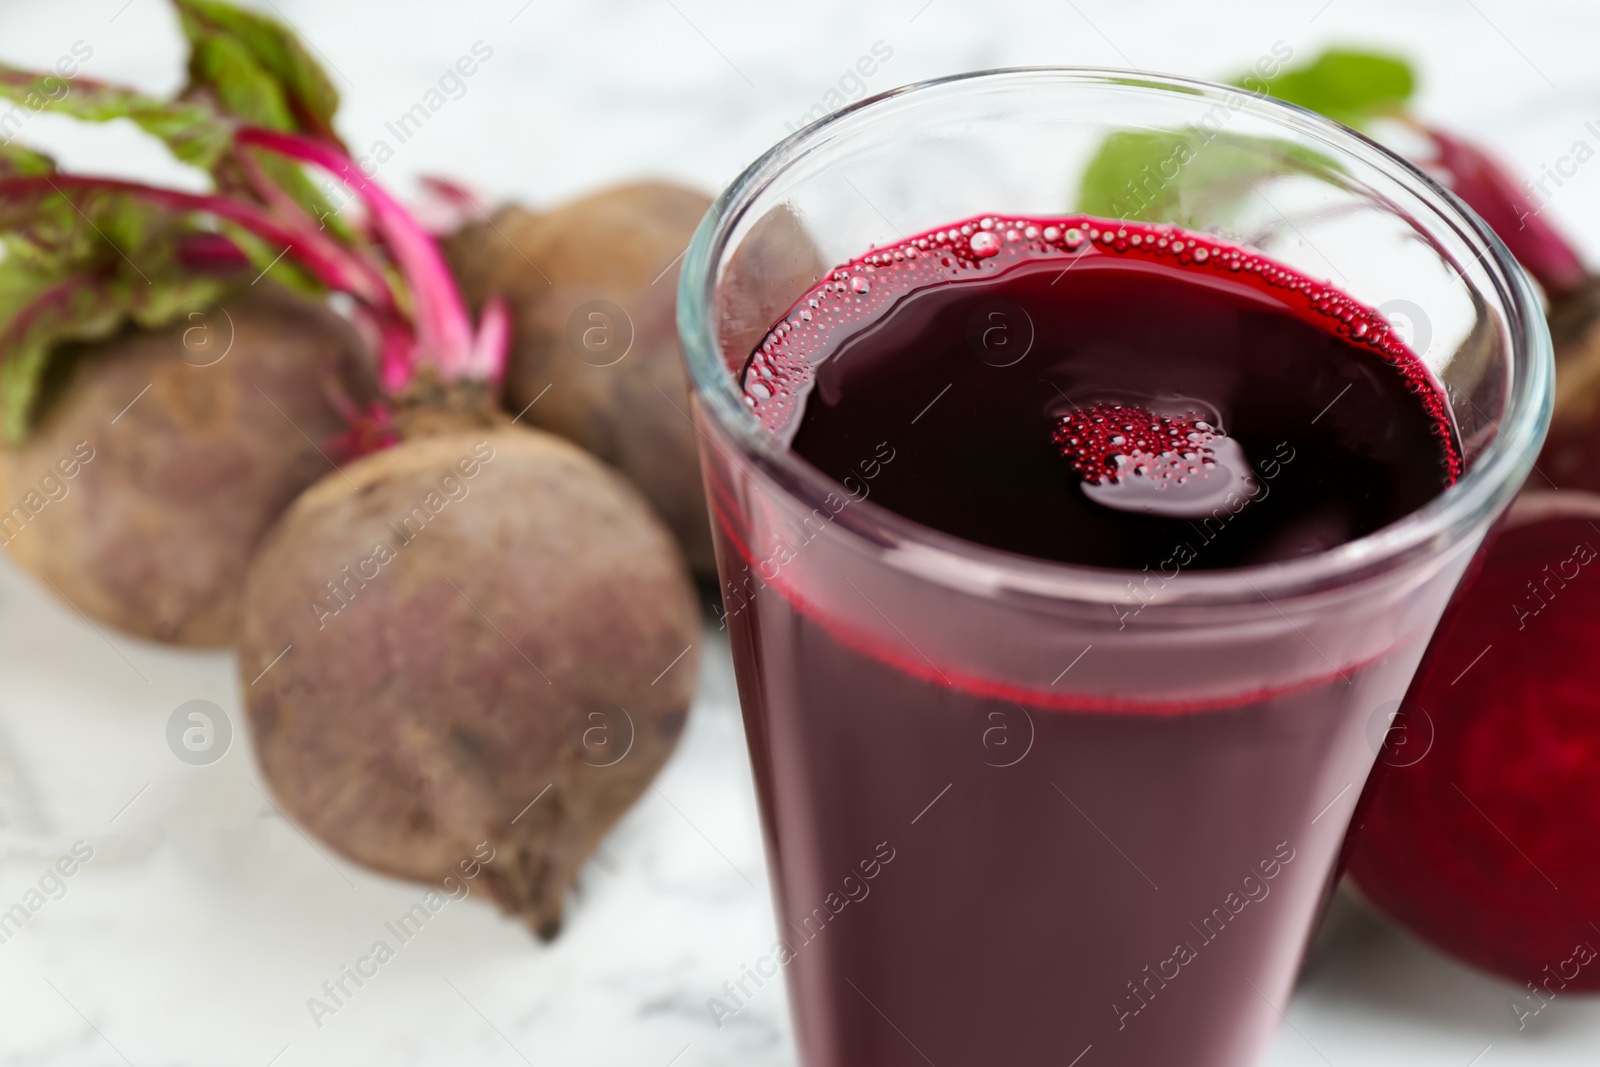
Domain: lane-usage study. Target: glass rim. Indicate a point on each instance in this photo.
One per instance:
(1483, 489)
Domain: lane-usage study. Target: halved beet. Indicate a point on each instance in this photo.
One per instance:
(1481, 834)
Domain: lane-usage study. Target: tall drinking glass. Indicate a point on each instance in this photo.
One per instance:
(1023, 812)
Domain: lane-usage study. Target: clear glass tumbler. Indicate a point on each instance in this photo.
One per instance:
(1010, 820)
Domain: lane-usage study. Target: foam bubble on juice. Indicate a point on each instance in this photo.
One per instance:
(1132, 459)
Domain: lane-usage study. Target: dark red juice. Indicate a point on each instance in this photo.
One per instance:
(973, 870)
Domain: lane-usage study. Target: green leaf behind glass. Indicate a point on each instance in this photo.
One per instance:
(1349, 86)
(1190, 176)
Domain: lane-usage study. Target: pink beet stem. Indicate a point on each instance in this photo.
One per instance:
(271, 193)
(214, 252)
(396, 348)
(444, 332)
(488, 359)
(452, 192)
(332, 265)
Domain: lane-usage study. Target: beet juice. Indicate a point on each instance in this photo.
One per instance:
(1128, 405)
(973, 869)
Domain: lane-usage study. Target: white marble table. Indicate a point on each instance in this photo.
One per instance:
(204, 920)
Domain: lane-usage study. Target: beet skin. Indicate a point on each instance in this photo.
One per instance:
(1479, 831)
(189, 442)
(485, 636)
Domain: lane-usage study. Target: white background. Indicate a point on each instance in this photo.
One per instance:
(205, 920)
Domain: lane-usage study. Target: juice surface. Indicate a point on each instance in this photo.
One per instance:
(1107, 394)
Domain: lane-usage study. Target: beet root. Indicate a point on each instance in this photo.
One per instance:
(155, 469)
(1571, 455)
(593, 287)
(599, 329)
(485, 637)
(1485, 799)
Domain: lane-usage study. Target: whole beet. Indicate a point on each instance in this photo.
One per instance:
(184, 445)
(1477, 833)
(1571, 455)
(485, 637)
(593, 287)
(613, 378)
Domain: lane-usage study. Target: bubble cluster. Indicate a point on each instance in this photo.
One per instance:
(1108, 441)
(853, 296)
